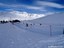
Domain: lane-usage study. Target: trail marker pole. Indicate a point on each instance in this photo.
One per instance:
(50, 30)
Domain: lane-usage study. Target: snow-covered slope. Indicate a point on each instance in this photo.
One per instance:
(11, 15)
(57, 18)
(18, 35)
(12, 36)
(51, 24)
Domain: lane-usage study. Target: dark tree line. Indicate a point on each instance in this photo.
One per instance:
(11, 21)
(3, 22)
(14, 21)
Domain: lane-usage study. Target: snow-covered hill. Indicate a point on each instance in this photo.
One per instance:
(57, 18)
(35, 35)
(11, 15)
(12, 36)
(53, 23)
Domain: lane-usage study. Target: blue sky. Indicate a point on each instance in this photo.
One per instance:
(32, 6)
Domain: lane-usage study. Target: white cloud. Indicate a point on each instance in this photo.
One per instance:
(33, 7)
(21, 5)
(10, 5)
(51, 4)
(36, 8)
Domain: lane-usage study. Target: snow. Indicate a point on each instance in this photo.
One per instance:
(11, 15)
(53, 20)
(14, 37)
(56, 18)
(18, 35)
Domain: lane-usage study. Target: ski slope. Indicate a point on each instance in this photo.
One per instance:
(12, 36)
(18, 35)
(57, 18)
(53, 23)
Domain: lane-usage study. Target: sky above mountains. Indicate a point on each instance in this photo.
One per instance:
(32, 6)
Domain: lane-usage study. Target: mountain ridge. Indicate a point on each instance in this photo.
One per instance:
(56, 18)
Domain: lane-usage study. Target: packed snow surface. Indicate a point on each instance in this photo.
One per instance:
(12, 36)
(18, 35)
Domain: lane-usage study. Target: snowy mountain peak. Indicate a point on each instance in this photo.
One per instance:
(19, 15)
